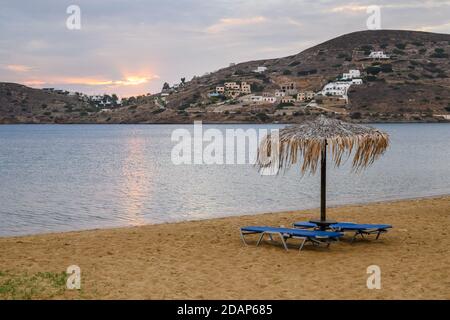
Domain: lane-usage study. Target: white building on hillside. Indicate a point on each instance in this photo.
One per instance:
(260, 69)
(288, 99)
(96, 98)
(305, 96)
(289, 88)
(232, 86)
(220, 89)
(245, 87)
(261, 99)
(378, 55)
(269, 99)
(357, 81)
(351, 74)
(256, 99)
(338, 88)
(279, 94)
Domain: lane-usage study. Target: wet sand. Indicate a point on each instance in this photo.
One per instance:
(206, 259)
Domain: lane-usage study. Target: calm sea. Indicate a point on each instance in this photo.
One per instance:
(73, 177)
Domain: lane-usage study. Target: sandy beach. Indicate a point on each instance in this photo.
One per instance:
(206, 259)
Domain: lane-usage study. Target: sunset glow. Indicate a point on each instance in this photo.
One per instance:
(127, 81)
(126, 86)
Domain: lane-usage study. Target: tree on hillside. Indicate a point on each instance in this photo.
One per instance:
(166, 86)
(183, 81)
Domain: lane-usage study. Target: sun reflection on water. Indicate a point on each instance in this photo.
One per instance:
(137, 186)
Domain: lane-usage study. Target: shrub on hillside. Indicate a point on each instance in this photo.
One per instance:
(307, 72)
(439, 53)
(367, 49)
(286, 104)
(398, 52)
(262, 116)
(355, 115)
(373, 70)
(343, 55)
(257, 87)
(158, 111)
(386, 68)
(295, 63)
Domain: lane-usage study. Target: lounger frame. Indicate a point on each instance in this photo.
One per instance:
(284, 237)
(361, 233)
(357, 232)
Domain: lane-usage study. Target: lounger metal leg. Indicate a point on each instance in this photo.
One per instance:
(260, 238)
(283, 241)
(242, 237)
(302, 244)
(378, 235)
(354, 237)
(270, 235)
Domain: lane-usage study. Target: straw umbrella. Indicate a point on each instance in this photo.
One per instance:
(307, 144)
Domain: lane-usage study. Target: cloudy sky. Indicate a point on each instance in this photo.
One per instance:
(132, 47)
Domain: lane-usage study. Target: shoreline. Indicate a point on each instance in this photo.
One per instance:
(214, 122)
(206, 259)
(252, 214)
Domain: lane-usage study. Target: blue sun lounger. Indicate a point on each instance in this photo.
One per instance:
(313, 236)
(358, 229)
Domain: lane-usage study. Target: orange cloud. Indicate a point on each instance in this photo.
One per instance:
(17, 67)
(92, 81)
(37, 83)
(233, 22)
(352, 8)
(445, 27)
(349, 8)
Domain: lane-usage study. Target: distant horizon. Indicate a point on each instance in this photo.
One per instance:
(131, 48)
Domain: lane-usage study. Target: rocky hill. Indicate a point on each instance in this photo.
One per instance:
(22, 104)
(412, 85)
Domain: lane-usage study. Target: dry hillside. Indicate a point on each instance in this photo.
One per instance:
(413, 85)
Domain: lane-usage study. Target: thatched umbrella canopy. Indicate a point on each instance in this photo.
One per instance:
(307, 143)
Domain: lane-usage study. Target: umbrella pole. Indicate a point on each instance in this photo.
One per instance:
(323, 183)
